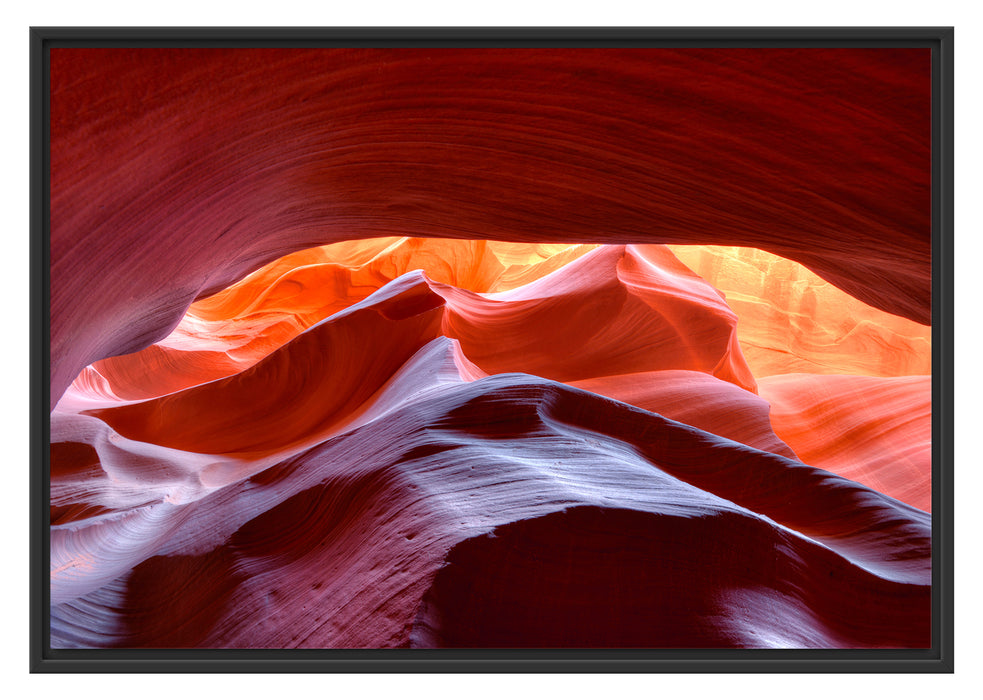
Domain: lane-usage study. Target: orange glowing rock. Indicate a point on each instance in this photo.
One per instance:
(791, 320)
(629, 309)
(874, 430)
(232, 330)
(625, 309)
(615, 310)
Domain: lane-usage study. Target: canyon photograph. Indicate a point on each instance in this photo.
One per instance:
(491, 348)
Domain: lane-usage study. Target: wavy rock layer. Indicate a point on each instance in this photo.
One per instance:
(374, 538)
(398, 442)
(626, 309)
(234, 329)
(366, 483)
(874, 430)
(697, 399)
(176, 172)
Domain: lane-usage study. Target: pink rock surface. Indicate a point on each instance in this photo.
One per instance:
(697, 399)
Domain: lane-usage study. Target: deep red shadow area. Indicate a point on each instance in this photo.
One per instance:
(595, 577)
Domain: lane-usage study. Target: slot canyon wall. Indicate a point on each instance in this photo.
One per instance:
(490, 348)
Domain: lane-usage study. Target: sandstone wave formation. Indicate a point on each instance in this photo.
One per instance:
(376, 349)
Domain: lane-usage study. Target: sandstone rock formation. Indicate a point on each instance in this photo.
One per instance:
(384, 348)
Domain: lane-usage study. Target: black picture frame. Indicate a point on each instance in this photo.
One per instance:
(937, 659)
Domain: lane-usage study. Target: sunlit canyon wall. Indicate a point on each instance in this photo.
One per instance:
(387, 348)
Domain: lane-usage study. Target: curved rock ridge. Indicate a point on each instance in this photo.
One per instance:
(793, 321)
(790, 320)
(476, 265)
(874, 430)
(310, 386)
(382, 535)
(261, 507)
(625, 309)
(176, 172)
(697, 399)
(615, 310)
(235, 328)
(103, 481)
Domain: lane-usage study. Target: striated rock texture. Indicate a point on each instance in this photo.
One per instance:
(791, 320)
(232, 330)
(366, 483)
(874, 430)
(176, 172)
(379, 536)
(491, 408)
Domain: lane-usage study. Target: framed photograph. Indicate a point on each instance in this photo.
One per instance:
(492, 350)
